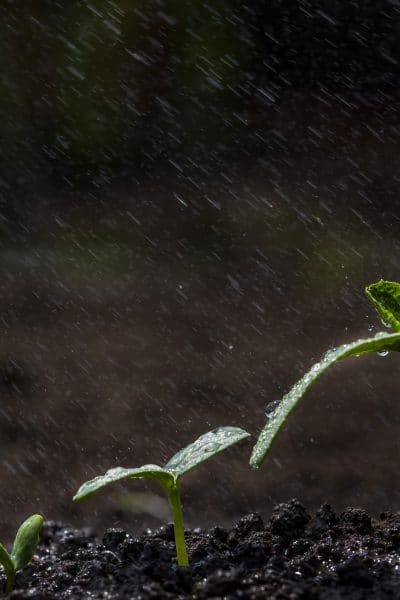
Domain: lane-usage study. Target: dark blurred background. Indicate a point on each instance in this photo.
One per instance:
(192, 197)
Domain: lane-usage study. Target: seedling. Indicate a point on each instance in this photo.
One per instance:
(168, 477)
(23, 549)
(385, 296)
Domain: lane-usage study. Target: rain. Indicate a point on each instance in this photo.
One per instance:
(193, 197)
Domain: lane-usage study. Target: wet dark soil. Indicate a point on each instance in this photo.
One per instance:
(294, 555)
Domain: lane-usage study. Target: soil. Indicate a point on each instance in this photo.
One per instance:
(292, 556)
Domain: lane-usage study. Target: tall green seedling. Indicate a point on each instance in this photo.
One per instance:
(169, 476)
(385, 296)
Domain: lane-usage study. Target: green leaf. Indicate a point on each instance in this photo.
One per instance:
(9, 569)
(381, 342)
(168, 477)
(385, 296)
(112, 475)
(205, 447)
(26, 541)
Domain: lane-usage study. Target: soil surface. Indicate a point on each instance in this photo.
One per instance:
(292, 556)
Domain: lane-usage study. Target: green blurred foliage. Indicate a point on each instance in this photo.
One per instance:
(209, 48)
(88, 82)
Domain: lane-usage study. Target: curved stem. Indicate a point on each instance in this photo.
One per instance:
(179, 531)
(382, 341)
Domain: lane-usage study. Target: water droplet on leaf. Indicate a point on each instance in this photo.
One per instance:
(271, 408)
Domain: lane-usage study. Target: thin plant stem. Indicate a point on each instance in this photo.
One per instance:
(9, 569)
(179, 531)
(10, 581)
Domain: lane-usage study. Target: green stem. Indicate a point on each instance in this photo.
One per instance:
(10, 581)
(9, 569)
(179, 531)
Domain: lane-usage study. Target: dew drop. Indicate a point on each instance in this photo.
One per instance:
(271, 408)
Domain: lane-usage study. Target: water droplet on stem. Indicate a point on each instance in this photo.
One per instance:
(271, 408)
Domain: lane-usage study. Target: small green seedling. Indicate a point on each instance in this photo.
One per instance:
(168, 477)
(385, 296)
(23, 549)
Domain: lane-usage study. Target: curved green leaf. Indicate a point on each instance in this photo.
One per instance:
(168, 477)
(163, 477)
(205, 447)
(26, 541)
(381, 342)
(186, 459)
(9, 569)
(385, 296)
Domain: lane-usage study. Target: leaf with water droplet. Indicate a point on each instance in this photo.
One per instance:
(162, 476)
(271, 408)
(385, 296)
(204, 447)
(381, 342)
(188, 458)
(183, 461)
